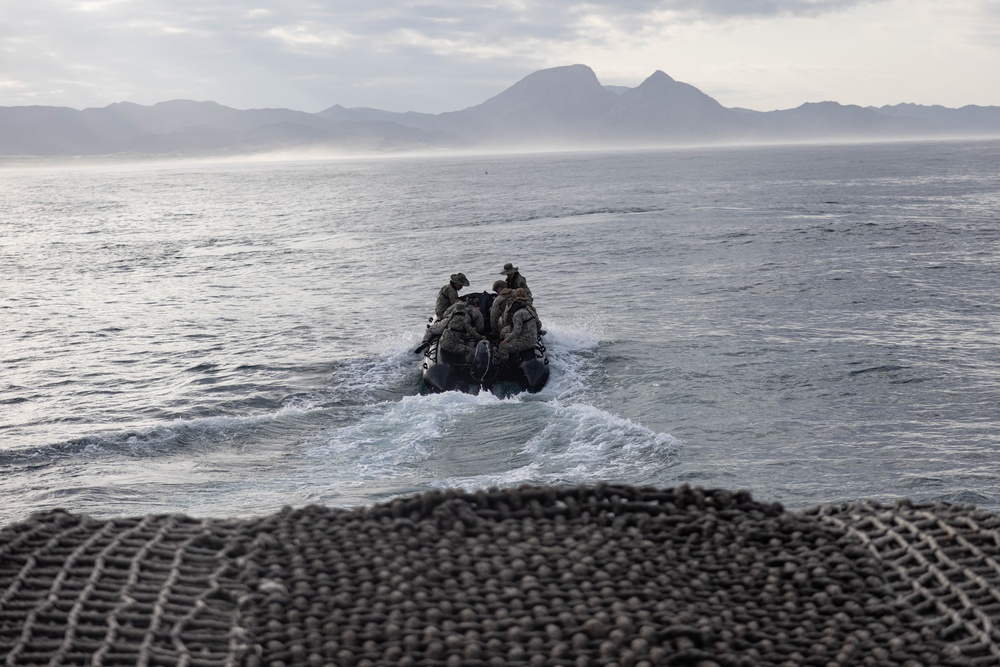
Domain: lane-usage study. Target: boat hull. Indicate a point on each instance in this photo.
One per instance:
(443, 371)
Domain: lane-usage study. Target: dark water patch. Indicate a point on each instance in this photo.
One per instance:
(207, 380)
(222, 386)
(204, 367)
(965, 496)
(13, 401)
(48, 454)
(925, 482)
(909, 381)
(127, 362)
(180, 436)
(878, 369)
(698, 476)
(245, 368)
(59, 383)
(18, 360)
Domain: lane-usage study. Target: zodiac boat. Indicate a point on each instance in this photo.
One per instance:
(444, 371)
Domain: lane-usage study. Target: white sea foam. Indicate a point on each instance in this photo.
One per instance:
(578, 444)
(552, 436)
(571, 349)
(393, 437)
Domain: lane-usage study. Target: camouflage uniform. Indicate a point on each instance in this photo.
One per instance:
(477, 317)
(518, 296)
(514, 279)
(497, 309)
(522, 333)
(478, 321)
(448, 296)
(456, 333)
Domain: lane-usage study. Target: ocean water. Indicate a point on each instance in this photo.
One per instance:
(812, 323)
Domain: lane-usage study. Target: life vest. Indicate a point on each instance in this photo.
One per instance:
(519, 305)
(456, 325)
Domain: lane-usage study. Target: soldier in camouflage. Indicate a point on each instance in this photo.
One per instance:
(522, 332)
(498, 307)
(448, 295)
(514, 279)
(505, 317)
(472, 308)
(459, 332)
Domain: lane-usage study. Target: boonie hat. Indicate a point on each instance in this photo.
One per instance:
(509, 268)
(460, 279)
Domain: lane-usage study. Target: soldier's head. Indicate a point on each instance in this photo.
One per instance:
(520, 294)
(458, 281)
(509, 269)
(499, 285)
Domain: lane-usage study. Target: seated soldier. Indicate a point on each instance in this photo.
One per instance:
(472, 307)
(526, 302)
(522, 332)
(498, 308)
(459, 333)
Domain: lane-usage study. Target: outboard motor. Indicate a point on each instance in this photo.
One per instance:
(484, 364)
(536, 369)
(535, 373)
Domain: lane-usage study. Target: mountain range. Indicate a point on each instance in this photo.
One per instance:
(558, 108)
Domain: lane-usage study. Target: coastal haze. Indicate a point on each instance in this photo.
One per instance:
(558, 108)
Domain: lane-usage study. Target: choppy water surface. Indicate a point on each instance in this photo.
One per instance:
(812, 323)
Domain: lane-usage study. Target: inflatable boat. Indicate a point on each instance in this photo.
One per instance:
(444, 371)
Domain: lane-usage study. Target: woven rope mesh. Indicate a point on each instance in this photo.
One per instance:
(605, 575)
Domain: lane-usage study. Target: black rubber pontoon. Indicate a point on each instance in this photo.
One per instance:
(444, 371)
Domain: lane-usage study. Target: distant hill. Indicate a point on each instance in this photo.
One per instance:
(561, 107)
(183, 127)
(663, 109)
(972, 119)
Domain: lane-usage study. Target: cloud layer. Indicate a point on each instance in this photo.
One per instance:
(426, 56)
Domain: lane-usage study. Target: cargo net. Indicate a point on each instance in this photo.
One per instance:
(605, 575)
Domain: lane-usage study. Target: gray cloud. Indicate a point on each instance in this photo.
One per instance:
(430, 56)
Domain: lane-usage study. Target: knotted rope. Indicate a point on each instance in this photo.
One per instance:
(586, 576)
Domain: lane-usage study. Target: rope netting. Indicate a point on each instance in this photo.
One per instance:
(605, 575)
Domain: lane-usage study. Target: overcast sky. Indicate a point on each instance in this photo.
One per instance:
(444, 55)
